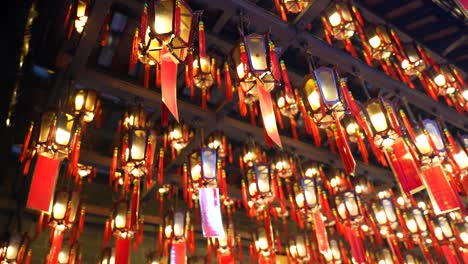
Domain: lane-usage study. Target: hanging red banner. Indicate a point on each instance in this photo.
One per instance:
(178, 253)
(122, 250)
(169, 83)
(404, 167)
(226, 259)
(357, 249)
(444, 198)
(321, 232)
(210, 209)
(268, 114)
(41, 192)
(450, 254)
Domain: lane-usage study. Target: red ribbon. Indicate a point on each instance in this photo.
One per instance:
(178, 253)
(122, 250)
(52, 258)
(43, 182)
(444, 198)
(268, 114)
(168, 83)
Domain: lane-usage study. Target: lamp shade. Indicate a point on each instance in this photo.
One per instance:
(176, 225)
(340, 19)
(14, 249)
(298, 248)
(86, 104)
(170, 26)
(64, 209)
(378, 112)
(444, 79)
(347, 206)
(412, 61)
(379, 40)
(203, 72)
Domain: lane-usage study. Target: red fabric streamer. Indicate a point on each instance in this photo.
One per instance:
(268, 115)
(43, 183)
(450, 254)
(144, 23)
(201, 40)
(146, 76)
(177, 18)
(134, 53)
(105, 31)
(122, 250)
(168, 83)
(444, 198)
(227, 78)
(27, 139)
(343, 148)
(68, 14)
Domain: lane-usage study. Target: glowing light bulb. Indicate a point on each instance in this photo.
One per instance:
(381, 217)
(310, 172)
(62, 136)
(465, 94)
(120, 221)
(168, 231)
(374, 41)
(334, 19)
(300, 200)
(196, 172)
(365, 228)
(405, 64)
(440, 80)
(351, 128)
(314, 100)
(423, 144)
(378, 121)
(412, 226)
(59, 210)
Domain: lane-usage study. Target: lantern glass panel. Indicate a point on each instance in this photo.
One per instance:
(301, 248)
(435, 134)
(377, 117)
(74, 206)
(120, 220)
(64, 128)
(422, 143)
(263, 178)
(47, 121)
(262, 240)
(310, 192)
(80, 98)
(335, 249)
(209, 163)
(256, 51)
(419, 217)
(13, 248)
(163, 19)
(179, 224)
(64, 255)
(312, 93)
(445, 226)
(351, 204)
(326, 81)
(60, 207)
(138, 145)
(389, 210)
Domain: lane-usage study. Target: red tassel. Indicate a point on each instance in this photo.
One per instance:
(146, 76)
(218, 79)
(161, 167)
(343, 147)
(52, 258)
(287, 83)
(227, 78)
(274, 61)
(279, 118)
(269, 141)
(204, 99)
(177, 19)
(244, 196)
(158, 75)
(362, 148)
(126, 184)
(135, 206)
(39, 225)
(144, 23)
(28, 258)
(331, 142)
(67, 15)
(189, 74)
(164, 115)
(243, 57)
(201, 40)
(27, 139)
(105, 31)
(294, 128)
(134, 54)
(113, 167)
(81, 223)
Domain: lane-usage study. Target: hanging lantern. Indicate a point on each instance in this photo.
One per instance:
(140, 150)
(444, 79)
(86, 104)
(352, 128)
(154, 258)
(362, 186)
(81, 15)
(203, 168)
(333, 256)
(379, 115)
(263, 238)
(306, 195)
(179, 135)
(410, 259)
(252, 62)
(85, 170)
(170, 26)
(435, 135)
(203, 72)
(260, 187)
(385, 215)
(347, 205)
(324, 99)
(339, 18)
(423, 146)
(338, 182)
(415, 222)
(298, 248)
(15, 250)
(295, 6)
(287, 105)
(64, 210)
(311, 169)
(380, 41)
(250, 154)
(218, 141)
(412, 59)
(55, 132)
(462, 230)
(283, 165)
(107, 256)
(385, 257)
(225, 244)
(123, 222)
(69, 254)
(443, 229)
(176, 225)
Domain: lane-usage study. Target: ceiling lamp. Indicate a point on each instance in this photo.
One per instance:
(306, 197)
(299, 249)
(203, 172)
(70, 254)
(258, 188)
(257, 71)
(178, 135)
(339, 20)
(86, 105)
(164, 37)
(445, 79)
(15, 249)
(336, 253)
(378, 42)
(55, 134)
(326, 104)
(288, 107)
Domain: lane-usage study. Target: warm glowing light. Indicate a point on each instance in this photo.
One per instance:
(168, 231)
(405, 64)
(440, 80)
(59, 210)
(461, 159)
(252, 189)
(423, 144)
(196, 172)
(379, 122)
(381, 217)
(412, 226)
(334, 19)
(465, 94)
(12, 251)
(375, 41)
(351, 128)
(314, 100)
(120, 221)
(310, 172)
(365, 227)
(62, 136)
